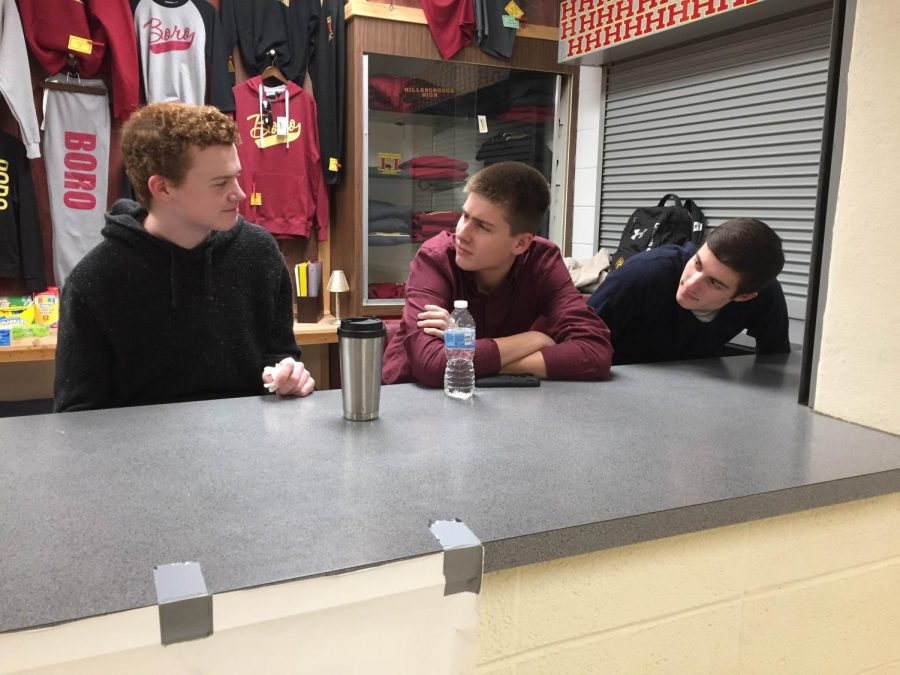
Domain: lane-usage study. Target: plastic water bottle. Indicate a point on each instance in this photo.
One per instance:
(459, 341)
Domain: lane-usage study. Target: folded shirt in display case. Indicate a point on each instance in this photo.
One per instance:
(540, 114)
(379, 210)
(521, 146)
(435, 162)
(386, 290)
(389, 224)
(425, 225)
(435, 167)
(407, 94)
(435, 173)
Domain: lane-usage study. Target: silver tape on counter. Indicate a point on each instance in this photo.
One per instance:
(463, 556)
(185, 605)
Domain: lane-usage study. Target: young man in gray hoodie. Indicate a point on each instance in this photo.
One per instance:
(183, 299)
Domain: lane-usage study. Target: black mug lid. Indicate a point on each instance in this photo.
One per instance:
(361, 327)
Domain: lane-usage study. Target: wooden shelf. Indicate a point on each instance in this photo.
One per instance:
(324, 332)
(44, 349)
(30, 349)
(376, 10)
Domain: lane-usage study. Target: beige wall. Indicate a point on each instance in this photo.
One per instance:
(814, 592)
(858, 376)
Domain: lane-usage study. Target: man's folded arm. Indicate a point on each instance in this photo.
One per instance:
(771, 330)
(583, 350)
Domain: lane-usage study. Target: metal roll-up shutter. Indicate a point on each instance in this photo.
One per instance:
(734, 122)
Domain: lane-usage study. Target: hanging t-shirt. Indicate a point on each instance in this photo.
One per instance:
(494, 38)
(179, 44)
(452, 24)
(21, 245)
(328, 70)
(290, 27)
(279, 153)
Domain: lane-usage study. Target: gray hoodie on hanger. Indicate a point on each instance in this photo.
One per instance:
(15, 81)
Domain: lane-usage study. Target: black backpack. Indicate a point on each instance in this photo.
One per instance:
(651, 227)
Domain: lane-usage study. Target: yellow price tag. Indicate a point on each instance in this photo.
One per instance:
(333, 164)
(514, 10)
(256, 199)
(80, 45)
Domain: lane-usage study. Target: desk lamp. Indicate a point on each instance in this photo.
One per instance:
(337, 284)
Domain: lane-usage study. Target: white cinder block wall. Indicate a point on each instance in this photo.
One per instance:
(812, 593)
(586, 204)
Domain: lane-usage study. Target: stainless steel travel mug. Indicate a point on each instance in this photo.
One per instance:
(361, 342)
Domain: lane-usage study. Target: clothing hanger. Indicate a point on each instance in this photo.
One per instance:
(73, 81)
(273, 71)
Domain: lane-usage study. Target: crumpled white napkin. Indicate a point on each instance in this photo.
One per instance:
(271, 370)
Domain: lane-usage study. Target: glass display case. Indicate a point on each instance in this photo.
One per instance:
(427, 126)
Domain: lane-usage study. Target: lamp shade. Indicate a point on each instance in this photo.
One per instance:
(338, 282)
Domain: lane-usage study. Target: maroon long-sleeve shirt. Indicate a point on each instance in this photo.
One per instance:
(109, 24)
(538, 286)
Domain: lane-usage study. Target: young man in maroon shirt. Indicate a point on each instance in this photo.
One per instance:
(514, 282)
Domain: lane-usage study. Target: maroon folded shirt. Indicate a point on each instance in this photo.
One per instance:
(435, 161)
(527, 113)
(107, 24)
(435, 173)
(436, 218)
(386, 291)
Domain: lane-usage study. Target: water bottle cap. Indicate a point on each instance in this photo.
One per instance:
(460, 304)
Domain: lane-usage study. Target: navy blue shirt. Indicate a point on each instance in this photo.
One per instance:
(638, 304)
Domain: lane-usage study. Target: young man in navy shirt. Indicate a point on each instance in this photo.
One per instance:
(680, 302)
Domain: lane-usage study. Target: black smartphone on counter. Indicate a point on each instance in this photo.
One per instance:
(511, 380)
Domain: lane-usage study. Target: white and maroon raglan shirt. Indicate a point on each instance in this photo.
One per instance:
(181, 52)
(279, 153)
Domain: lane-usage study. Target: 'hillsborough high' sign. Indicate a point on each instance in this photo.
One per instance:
(588, 26)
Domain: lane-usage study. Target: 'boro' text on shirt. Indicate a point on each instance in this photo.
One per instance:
(4, 184)
(80, 178)
(165, 39)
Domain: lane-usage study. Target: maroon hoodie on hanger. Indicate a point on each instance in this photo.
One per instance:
(281, 173)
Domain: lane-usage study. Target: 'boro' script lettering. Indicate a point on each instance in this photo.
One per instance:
(167, 39)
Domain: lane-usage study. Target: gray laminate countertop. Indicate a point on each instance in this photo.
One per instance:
(260, 490)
